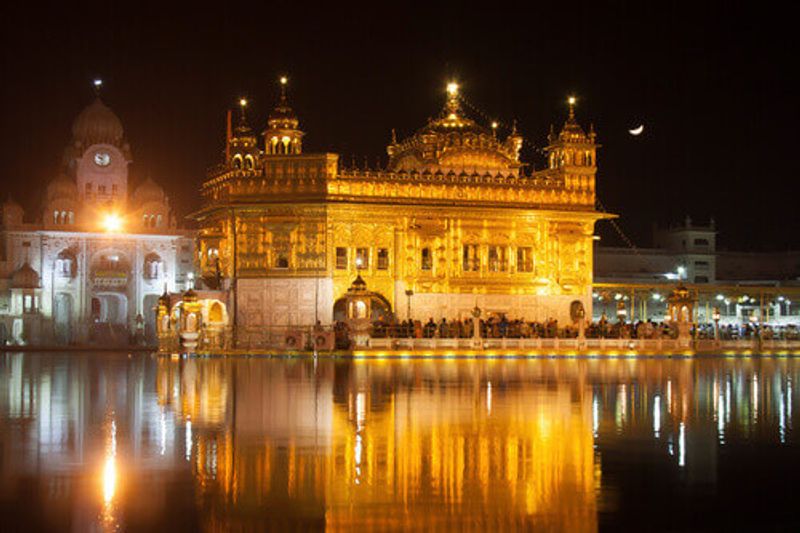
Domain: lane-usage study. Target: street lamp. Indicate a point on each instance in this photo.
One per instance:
(716, 316)
(621, 311)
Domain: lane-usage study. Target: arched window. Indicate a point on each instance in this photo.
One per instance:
(237, 161)
(153, 266)
(65, 264)
(55, 217)
(248, 162)
(158, 221)
(71, 217)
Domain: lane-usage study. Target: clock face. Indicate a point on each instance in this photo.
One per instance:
(102, 159)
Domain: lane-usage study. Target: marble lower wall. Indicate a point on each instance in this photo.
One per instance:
(296, 302)
(284, 301)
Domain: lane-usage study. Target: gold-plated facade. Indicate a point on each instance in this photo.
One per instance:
(451, 222)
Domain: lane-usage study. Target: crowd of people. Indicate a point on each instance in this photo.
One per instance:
(497, 327)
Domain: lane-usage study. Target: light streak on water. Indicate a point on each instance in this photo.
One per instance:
(669, 396)
(755, 397)
(657, 416)
(721, 414)
(188, 440)
(163, 431)
(728, 401)
(682, 445)
(361, 410)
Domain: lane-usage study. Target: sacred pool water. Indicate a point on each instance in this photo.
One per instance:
(141, 442)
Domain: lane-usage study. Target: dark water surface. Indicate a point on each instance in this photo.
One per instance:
(141, 443)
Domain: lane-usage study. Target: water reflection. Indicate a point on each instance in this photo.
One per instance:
(438, 445)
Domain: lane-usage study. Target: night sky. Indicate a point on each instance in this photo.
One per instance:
(711, 85)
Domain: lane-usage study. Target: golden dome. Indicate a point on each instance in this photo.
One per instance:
(571, 132)
(97, 124)
(454, 142)
(283, 116)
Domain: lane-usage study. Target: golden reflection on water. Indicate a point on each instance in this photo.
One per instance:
(434, 445)
(416, 444)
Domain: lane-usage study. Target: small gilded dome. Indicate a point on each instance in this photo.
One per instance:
(61, 188)
(149, 191)
(25, 277)
(97, 124)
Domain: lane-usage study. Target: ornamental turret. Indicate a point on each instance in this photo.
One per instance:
(283, 136)
(241, 152)
(572, 149)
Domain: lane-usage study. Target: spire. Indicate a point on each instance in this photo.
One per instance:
(571, 126)
(283, 136)
(453, 106)
(283, 81)
(97, 83)
(242, 112)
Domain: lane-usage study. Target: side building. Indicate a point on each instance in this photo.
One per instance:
(743, 287)
(452, 222)
(90, 265)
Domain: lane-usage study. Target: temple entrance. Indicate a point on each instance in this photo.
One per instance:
(63, 318)
(110, 308)
(110, 319)
(381, 308)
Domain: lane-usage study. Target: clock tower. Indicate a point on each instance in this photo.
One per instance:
(99, 157)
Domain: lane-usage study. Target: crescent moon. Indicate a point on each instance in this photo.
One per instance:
(637, 131)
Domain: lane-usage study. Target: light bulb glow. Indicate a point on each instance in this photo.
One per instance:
(243, 102)
(284, 80)
(112, 223)
(452, 88)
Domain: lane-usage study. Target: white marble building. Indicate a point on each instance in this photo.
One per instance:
(90, 265)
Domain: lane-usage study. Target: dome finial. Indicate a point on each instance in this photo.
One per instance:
(453, 106)
(242, 108)
(571, 101)
(283, 81)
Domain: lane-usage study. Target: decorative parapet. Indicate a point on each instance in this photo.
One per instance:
(300, 182)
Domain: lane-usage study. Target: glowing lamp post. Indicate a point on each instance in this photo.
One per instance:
(409, 294)
(622, 312)
(715, 315)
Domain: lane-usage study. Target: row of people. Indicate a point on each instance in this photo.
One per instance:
(500, 327)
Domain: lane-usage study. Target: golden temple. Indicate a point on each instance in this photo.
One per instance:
(453, 221)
